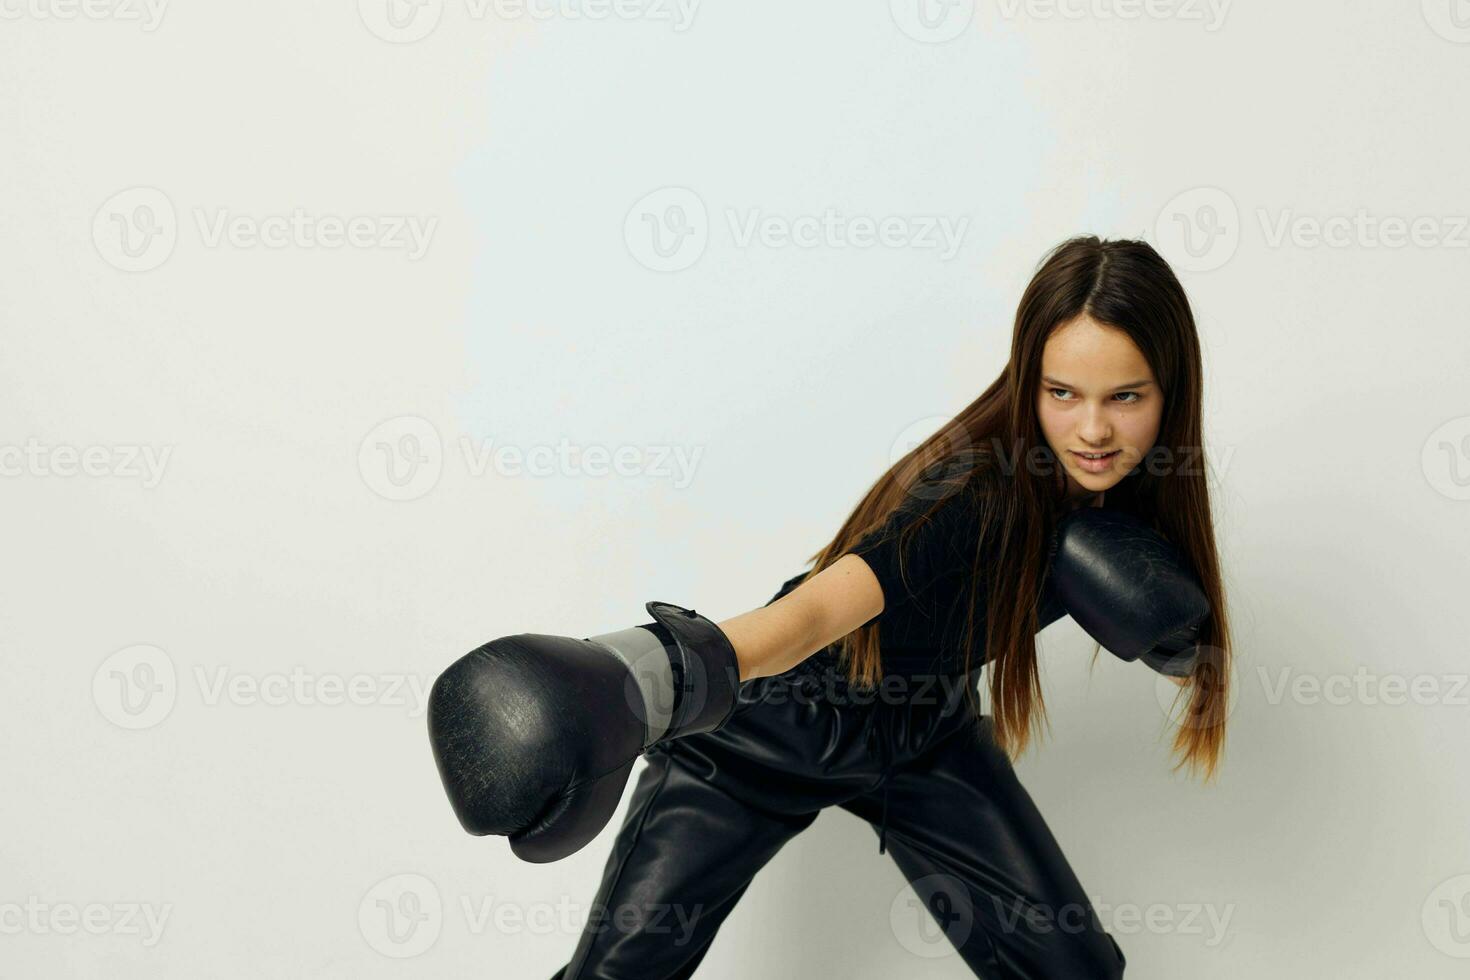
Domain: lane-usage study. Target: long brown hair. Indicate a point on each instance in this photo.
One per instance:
(994, 454)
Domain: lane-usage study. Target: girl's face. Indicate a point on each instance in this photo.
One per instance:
(1096, 395)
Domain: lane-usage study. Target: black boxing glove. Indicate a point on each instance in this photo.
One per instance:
(1129, 588)
(535, 735)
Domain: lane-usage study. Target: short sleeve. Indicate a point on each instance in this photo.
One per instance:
(938, 548)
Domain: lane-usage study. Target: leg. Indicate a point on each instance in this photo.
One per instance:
(685, 854)
(980, 857)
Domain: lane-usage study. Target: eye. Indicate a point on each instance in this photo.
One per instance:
(1133, 397)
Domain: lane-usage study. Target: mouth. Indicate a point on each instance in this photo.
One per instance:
(1094, 462)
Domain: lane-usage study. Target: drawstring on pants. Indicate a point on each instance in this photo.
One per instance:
(878, 738)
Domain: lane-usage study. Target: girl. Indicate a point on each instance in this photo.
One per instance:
(857, 680)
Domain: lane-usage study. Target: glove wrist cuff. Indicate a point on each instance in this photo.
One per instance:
(706, 670)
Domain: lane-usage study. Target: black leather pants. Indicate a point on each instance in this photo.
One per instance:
(710, 810)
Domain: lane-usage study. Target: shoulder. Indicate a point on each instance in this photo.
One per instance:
(933, 534)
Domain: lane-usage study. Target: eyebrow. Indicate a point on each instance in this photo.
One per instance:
(1062, 384)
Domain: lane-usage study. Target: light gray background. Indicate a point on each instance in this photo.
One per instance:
(176, 645)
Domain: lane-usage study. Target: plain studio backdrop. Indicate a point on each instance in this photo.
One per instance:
(339, 339)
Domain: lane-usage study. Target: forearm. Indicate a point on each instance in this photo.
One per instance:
(823, 609)
(772, 639)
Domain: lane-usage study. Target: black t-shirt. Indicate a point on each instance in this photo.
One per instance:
(921, 629)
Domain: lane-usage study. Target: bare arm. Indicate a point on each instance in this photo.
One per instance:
(826, 607)
(772, 639)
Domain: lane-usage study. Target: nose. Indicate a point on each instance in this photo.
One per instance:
(1095, 429)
